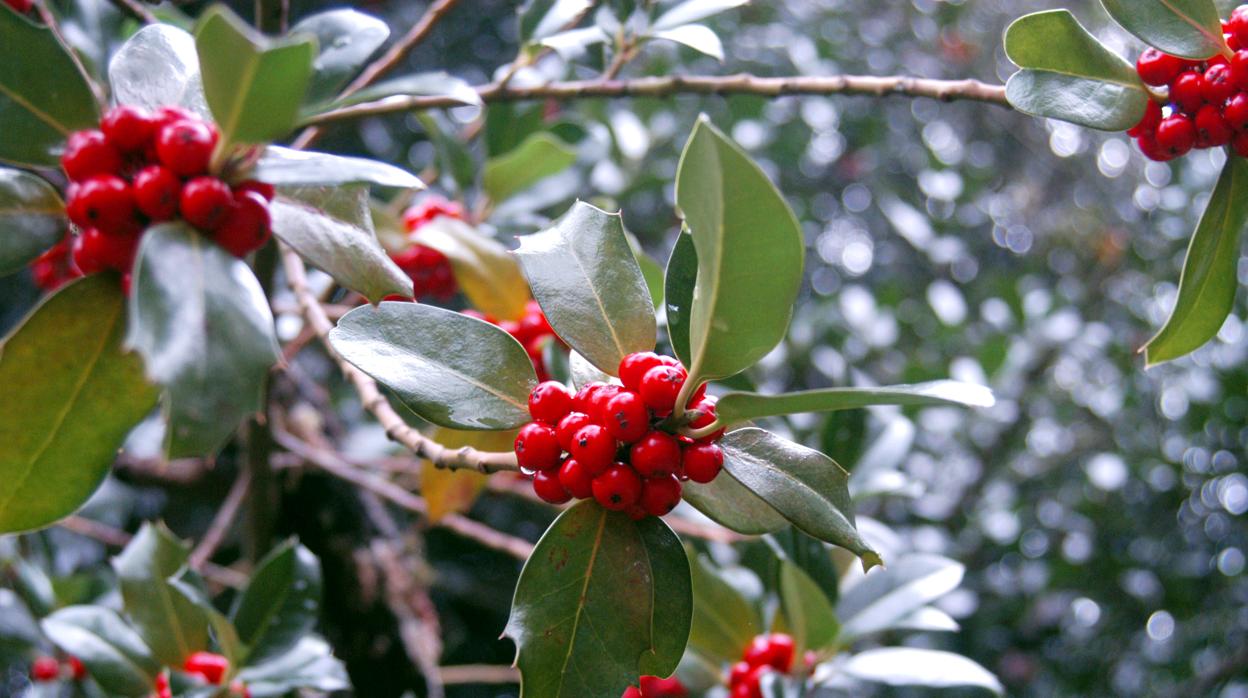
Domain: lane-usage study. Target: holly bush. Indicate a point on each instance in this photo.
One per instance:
(510, 334)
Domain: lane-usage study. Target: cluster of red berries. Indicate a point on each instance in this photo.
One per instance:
(1207, 100)
(616, 449)
(141, 167)
(766, 653)
(46, 669)
(655, 687)
(532, 330)
(430, 269)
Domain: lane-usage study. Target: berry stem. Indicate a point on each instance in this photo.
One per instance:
(704, 431)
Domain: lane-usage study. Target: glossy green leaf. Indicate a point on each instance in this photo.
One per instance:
(485, 271)
(253, 84)
(583, 372)
(284, 167)
(332, 228)
(280, 604)
(737, 407)
(750, 254)
(730, 504)
(584, 275)
(810, 554)
(805, 486)
(650, 271)
(1067, 74)
(202, 323)
(808, 614)
(1209, 281)
(345, 40)
(724, 622)
(32, 218)
(913, 666)
(189, 585)
(158, 67)
(541, 18)
(681, 276)
(113, 653)
(435, 84)
(451, 369)
(43, 96)
(885, 597)
(693, 11)
(1186, 28)
(309, 665)
(539, 156)
(169, 623)
(602, 600)
(71, 394)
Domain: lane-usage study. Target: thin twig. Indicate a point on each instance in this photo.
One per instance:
(409, 602)
(49, 20)
(136, 10)
(222, 521)
(117, 538)
(479, 673)
(878, 86)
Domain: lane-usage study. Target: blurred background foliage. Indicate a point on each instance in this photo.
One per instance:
(1098, 508)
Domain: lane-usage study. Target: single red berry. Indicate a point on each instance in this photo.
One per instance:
(240, 690)
(212, 667)
(568, 426)
(627, 418)
(1148, 145)
(1188, 91)
(1236, 111)
(635, 365)
(706, 406)
(738, 673)
(702, 462)
(247, 227)
(1239, 69)
(537, 447)
(45, 669)
(105, 202)
(655, 687)
(1157, 68)
(656, 453)
(1176, 135)
(533, 326)
(20, 6)
(550, 402)
(593, 447)
(547, 485)
(54, 268)
(1212, 131)
(129, 128)
(660, 386)
(430, 208)
(583, 400)
(782, 649)
(754, 682)
(94, 251)
(1237, 25)
(1218, 84)
(743, 690)
(157, 191)
(186, 146)
(206, 202)
(659, 495)
(89, 153)
(617, 488)
(268, 191)
(1148, 122)
(576, 479)
(758, 652)
(1240, 145)
(76, 668)
(632, 692)
(598, 403)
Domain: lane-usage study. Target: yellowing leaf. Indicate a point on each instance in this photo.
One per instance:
(488, 275)
(453, 491)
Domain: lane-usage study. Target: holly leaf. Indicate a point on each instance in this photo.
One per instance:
(541, 18)
(539, 156)
(681, 277)
(345, 40)
(585, 277)
(280, 604)
(158, 67)
(808, 614)
(434, 84)
(912, 666)
(308, 665)
(1067, 74)
(737, 407)
(284, 167)
(113, 653)
(203, 325)
(71, 394)
(451, 369)
(886, 597)
(602, 600)
(1209, 280)
(1185, 28)
(730, 504)
(32, 218)
(724, 622)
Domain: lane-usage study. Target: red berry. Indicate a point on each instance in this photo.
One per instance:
(76, 668)
(738, 673)
(702, 462)
(1240, 145)
(247, 227)
(758, 652)
(55, 267)
(707, 407)
(1236, 111)
(1176, 135)
(743, 690)
(782, 649)
(547, 485)
(157, 191)
(568, 426)
(430, 208)
(88, 153)
(95, 252)
(129, 128)
(1157, 68)
(1239, 69)
(635, 365)
(656, 453)
(576, 479)
(20, 6)
(659, 495)
(550, 402)
(583, 400)
(1148, 145)
(660, 386)
(206, 202)
(617, 488)
(186, 146)
(537, 447)
(1211, 128)
(627, 419)
(1218, 84)
(1188, 91)
(632, 692)
(45, 669)
(655, 687)
(1237, 25)
(268, 191)
(105, 202)
(212, 667)
(598, 402)
(754, 682)
(593, 447)
(1148, 122)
